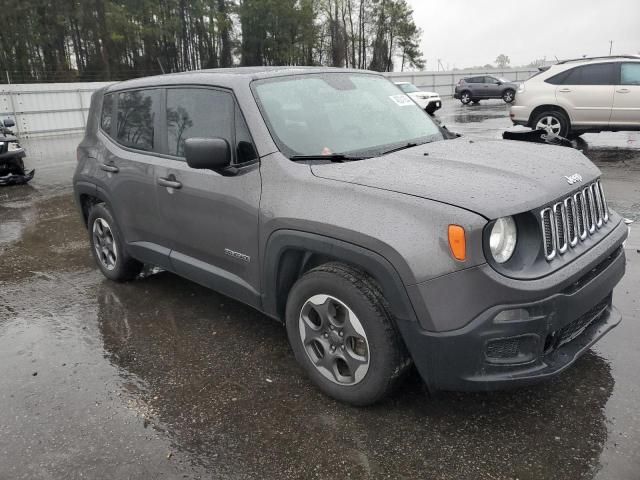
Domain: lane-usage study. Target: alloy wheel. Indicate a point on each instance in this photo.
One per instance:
(549, 123)
(334, 340)
(104, 244)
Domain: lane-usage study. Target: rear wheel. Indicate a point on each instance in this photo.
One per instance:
(553, 121)
(465, 97)
(508, 96)
(107, 246)
(342, 334)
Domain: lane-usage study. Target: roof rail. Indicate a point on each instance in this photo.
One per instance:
(634, 57)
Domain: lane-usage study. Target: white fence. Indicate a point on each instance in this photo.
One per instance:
(47, 108)
(58, 108)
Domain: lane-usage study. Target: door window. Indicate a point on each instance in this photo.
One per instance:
(596, 74)
(197, 112)
(630, 74)
(136, 117)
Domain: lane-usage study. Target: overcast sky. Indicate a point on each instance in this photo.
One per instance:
(465, 33)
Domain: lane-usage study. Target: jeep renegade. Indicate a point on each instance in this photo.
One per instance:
(329, 200)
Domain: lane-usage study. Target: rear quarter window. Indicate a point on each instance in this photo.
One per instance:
(106, 115)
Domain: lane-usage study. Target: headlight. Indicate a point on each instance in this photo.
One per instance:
(502, 240)
(521, 87)
(13, 146)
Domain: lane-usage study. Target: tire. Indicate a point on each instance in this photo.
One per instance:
(336, 313)
(107, 246)
(465, 97)
(554, 121)
(508, 95)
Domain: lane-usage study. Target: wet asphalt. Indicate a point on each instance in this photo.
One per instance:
(161, 378)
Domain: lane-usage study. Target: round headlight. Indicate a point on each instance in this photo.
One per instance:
(502, 241)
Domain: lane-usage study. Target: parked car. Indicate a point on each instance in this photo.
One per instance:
(583, 95)
(327, 200)
(474, 89)
(12, 171)
(428, 101)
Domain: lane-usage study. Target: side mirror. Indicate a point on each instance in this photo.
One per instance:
(8, 123)
(207, 153)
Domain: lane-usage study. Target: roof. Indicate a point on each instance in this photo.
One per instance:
(228, 77)
(605, 58)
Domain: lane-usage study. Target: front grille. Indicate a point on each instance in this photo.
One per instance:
(573, 219)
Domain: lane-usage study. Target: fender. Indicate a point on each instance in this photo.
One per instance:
(282, 241)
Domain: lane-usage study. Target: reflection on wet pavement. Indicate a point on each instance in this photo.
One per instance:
(161, 378)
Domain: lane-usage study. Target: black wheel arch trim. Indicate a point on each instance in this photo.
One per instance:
(283, 241)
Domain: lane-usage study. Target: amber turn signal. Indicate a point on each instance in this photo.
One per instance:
(457, 242)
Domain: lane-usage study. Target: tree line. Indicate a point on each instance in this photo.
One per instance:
(96, 40)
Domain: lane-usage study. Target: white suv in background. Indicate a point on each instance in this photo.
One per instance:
(583, 95)
(429, 101)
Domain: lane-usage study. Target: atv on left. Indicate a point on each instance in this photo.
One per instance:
(12, 170)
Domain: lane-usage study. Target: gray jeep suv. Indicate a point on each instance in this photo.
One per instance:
(330, 201)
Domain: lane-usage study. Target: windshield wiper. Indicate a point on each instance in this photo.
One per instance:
(402, 147)
(334, 157)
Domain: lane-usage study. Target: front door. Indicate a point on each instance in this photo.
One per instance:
(626, 98)
(211, 217)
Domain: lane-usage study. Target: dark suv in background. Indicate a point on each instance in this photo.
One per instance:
(474, 89)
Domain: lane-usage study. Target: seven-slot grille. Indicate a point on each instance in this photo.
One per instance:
(573, 219)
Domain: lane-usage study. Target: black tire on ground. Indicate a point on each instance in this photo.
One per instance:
(387, 355)
(118, 266)
(554, 120)
(508, 95)
(465, 97)
(431, 109)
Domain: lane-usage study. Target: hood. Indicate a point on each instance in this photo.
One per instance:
(493, 178)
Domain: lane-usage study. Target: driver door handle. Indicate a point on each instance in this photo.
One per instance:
(169, 182)
(109, 168)
(564, 90)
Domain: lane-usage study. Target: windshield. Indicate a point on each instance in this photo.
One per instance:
(341, 113)
(408, 87)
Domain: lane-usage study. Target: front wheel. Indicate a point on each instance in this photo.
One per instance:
(508, 96)
(553, 121)
(343, 336)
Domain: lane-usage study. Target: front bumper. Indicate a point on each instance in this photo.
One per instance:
(433, 104)
(527, 331)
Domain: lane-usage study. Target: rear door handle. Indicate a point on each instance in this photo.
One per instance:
(170, 182)
(109, 168)
(564, 90)
(622, 90)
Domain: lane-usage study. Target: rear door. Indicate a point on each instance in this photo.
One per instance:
(586, 92)
(212, 218)
(626, 98)
(126, 162)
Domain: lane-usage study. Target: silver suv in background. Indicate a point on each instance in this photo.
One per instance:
(474, 89)
(584, 95)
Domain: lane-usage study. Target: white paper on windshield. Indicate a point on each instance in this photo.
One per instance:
(401, 100)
